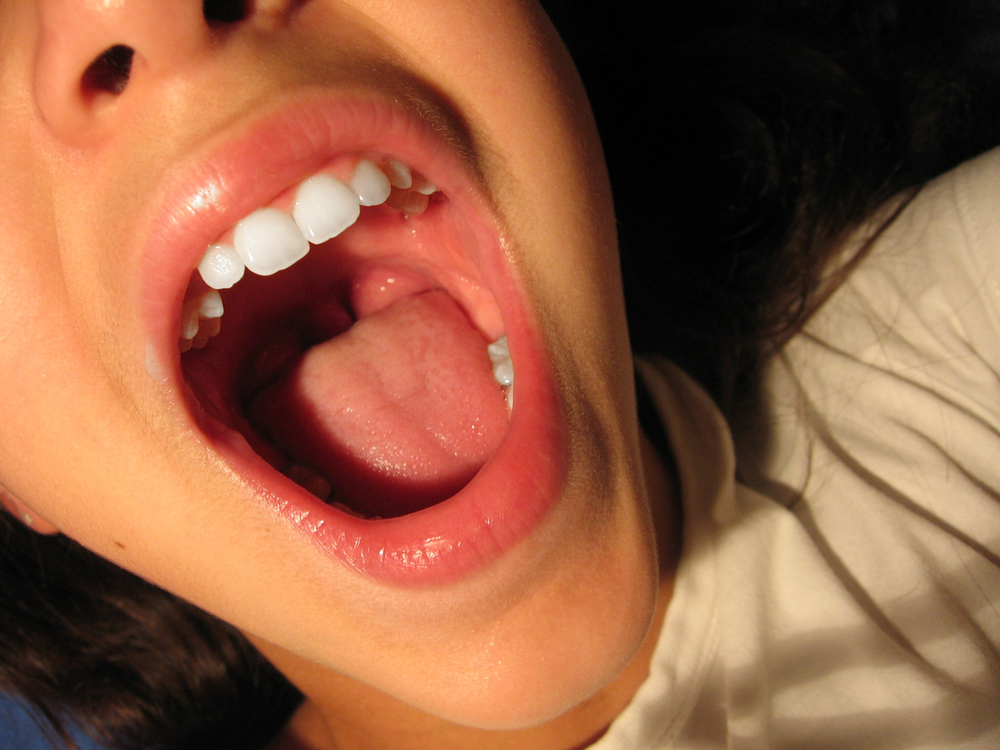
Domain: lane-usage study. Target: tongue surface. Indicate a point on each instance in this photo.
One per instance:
(399, 412)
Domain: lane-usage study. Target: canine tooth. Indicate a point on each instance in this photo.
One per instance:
(221, 266)
(399, 175)
(370, 183)
(324, 207)
(268, 241)
(510, 398)
(309, 480)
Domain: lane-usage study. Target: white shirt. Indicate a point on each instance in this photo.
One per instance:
(845, 592)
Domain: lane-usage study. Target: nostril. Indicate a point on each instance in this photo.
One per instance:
(110, 71)
(224, 11)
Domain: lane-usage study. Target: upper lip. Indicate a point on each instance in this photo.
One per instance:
(246, 170)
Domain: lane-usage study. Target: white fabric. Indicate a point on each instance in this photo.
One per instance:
(846, 592)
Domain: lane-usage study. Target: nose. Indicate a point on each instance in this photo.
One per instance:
(93, 55)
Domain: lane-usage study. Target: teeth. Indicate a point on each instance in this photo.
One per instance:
(503, 368)
(324, 207)
(221, 267)
(269, 241)
(424, 187)
(409, 202)
(201, 318)
(309, 480)
(370, 184)
(211, 305)
(399, 175)
(504, 372)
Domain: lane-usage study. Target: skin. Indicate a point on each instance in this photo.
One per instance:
(545, 647)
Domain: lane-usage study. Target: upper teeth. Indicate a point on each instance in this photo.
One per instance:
(270, 240)
(324, 207)
(370, 184)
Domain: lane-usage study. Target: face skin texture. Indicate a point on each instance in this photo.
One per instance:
(530, 646)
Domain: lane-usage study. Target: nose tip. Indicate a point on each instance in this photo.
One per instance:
(93, 54)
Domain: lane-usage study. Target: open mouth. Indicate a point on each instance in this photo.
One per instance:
(361, 370)
(341, 315)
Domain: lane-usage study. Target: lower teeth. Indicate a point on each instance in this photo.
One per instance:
(309, 480)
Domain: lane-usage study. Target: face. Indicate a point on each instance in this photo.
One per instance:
(332, 465)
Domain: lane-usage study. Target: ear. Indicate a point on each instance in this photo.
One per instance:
(24, 514)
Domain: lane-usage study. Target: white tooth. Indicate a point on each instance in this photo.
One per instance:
(370, 183)
(510, 398)
(269, 241)
(503, 368)
(324, 207)
(211, 305)
(503, 371)
(221, 267)
(309, 480)
(499, 350)
(425, 188)
(399, 175)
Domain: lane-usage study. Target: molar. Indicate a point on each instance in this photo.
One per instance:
(409, 202)
(503, 367)
(423, 186)
(324, 207)
(269, 240)
(399, 175)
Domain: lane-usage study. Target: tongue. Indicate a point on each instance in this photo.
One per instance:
(399, 412)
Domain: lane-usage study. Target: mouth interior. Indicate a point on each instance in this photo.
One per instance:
(362, 371)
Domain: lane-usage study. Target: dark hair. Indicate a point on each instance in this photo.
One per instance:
(787, 123)
(88, 643)
(771, 129)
